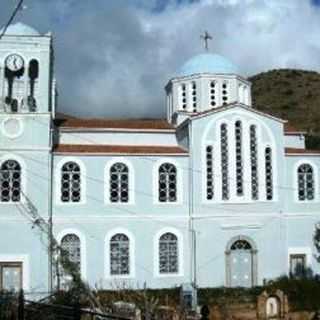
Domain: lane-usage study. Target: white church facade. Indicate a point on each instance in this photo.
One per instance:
(216, 194)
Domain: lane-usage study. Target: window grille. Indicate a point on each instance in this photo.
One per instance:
(70, 182)
(194, 96)
(10, 181)
(239, 162)
(213, 93)
(70, 243)
(269, 173)
(119, 183)
(168, 253)
(298, 265)
(254, 163)
(224, 162)
(210, 172)
(241, 245)
(119, 255)
(305, 182)
(167, 183)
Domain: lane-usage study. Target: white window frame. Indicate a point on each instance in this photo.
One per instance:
(106, 249)
(131, 186)
(156, 240)
(300, 250)
(83, 181)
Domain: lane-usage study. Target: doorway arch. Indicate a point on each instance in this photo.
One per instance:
(241, 262)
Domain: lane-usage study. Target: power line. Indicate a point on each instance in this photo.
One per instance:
(13, 15)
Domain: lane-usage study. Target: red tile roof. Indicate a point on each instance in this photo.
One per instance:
(143, 124)
(289, 129)
(118, 149)
(301, 151)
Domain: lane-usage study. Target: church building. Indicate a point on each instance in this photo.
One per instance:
(217, 194)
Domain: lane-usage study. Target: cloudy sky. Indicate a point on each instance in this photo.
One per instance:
(114, 57)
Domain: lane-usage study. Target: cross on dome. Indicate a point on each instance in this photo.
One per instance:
(205, 37)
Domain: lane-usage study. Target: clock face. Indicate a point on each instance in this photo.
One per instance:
(14, 62)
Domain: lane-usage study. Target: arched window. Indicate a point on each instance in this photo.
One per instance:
(168, 253)
(194, 96)
(224, 161)
(239, 164)
(119, 255)
(119, 183)
(70, 182)
(305, 182)
(254, 163)
(269, 173)
(210, 172)
(183, 97)
(213, 93)
(70, 244)
(10, 181)
(167, 183)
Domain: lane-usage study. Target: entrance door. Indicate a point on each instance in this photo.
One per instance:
(241, 264)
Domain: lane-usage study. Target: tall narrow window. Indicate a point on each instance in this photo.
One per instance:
(305, 182)
(70, 182)
(10, 181)
(254, 163)
(183, 96)
(224, 161)
(225, 93)
(167, 183)
(239, 162)
(168, 253)
(210, 172)
(33, 74)
(213, 93)
(70, 244)
(194, 96)
(269, 173)
(119, 183)
(119, 255)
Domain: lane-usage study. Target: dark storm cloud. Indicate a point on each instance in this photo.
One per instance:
(113, 57)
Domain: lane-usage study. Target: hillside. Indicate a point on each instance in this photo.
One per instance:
(293, 95)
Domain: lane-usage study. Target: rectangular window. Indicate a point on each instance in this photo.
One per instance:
(298, 265)
(10, 276)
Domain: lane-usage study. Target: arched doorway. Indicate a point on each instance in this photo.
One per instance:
(241, 262)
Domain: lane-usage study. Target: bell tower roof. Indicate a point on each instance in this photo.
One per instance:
(20, 29)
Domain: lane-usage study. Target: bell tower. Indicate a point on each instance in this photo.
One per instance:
(27, 86)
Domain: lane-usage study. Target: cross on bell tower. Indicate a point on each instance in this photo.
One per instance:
(206, 37)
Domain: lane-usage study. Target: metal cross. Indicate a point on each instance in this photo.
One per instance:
(206, 36)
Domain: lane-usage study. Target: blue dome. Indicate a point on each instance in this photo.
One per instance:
(207, 63)
(20, 29)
